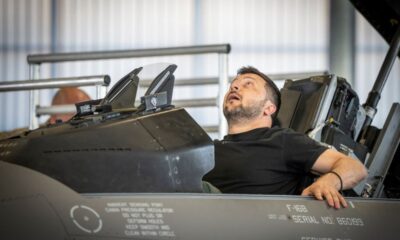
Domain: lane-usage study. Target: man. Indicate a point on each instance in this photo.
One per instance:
(260, 159)
(67, 95)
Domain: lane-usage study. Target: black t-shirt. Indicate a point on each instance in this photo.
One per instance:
(263, 161)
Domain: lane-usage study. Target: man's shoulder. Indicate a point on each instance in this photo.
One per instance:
(287, 131)
(290, 136)
(257, 134)
(283, 131)
(293, 137)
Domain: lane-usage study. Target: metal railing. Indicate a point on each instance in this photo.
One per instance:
(136, 53)
(221, 49)
(101, 82)
(24, 85)
(57, 109)
(222, 80)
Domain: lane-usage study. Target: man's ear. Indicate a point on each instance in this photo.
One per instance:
(269, 108)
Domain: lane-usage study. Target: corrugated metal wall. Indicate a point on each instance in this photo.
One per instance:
(275, 35)
(24, 28)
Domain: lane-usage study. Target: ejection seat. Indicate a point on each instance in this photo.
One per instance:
(326, 109)
(304, 102)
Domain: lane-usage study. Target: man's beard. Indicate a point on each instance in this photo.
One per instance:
(241, 113)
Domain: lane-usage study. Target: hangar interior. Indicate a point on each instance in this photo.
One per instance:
(282, 38)
(130, 163)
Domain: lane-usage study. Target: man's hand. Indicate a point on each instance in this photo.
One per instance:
(326, 187)
(348, 173)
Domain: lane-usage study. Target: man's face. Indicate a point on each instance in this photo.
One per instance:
(246, 97)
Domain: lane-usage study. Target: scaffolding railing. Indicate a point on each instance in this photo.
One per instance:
(24, 85)
(101, 82)
(222, 80)
(222, 50)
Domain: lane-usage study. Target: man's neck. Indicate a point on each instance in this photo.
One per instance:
(245, 125)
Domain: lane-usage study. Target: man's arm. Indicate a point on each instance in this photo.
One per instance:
(350, 170)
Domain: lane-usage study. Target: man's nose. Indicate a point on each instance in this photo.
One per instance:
(234, 87)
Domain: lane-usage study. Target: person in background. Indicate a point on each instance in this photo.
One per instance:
(259, 158)
(67, 95)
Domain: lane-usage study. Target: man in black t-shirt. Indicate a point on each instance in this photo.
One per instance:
(257, 158)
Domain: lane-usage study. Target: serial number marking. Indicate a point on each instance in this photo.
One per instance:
(343, 221)
(350, 221)
(297, 208)
(304, 219)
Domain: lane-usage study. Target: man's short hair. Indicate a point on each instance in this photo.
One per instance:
(273, 92)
